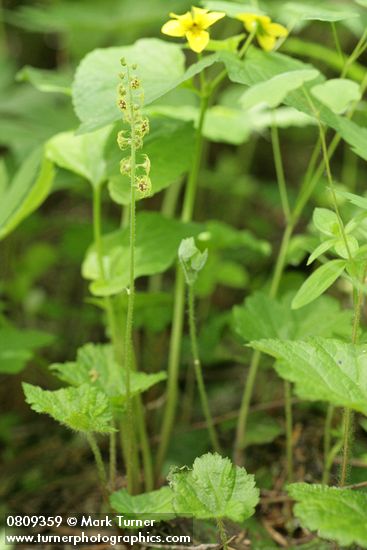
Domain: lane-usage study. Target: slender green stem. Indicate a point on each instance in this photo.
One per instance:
(98, 459)
(327, 443)
(199, 371)
(279, 170)
(348, 414)
(132, 466)
(222, 533)
(289, 429)
(179, 297)
(112, 460)
(337, 42)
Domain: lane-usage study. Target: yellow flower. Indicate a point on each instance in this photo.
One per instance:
(265, 30)
(192, 25)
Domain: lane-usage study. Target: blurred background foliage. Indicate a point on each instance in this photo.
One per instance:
(42, 294)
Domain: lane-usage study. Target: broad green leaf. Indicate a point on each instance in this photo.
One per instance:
(27, 191)
(155, 505)
(166, 137)
(264, 317)
(95, 365)
(357, 200)
(347, 247)
(228, 44)
(44, 80)
(160, 67)
(322, 369)
(84, 409)
(326, 221)
(302, 11)
(157, 241)
(336, 514)
(337, 93)
(219, 235)
(273, 92)
(261, 66)
(80, 154)
(16, 347)
(231, 8)
(318, 283)
(214, 488)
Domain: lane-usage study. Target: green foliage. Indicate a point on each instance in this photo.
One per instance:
(265, 317)
(156, 504)
(95, 365)
(304, 11)
(214, 488)
(17, 347)
(45, 81)
(317, 283)
(336, 514)
(84, 409)
(337, 94)
(322, 369)
(80, 154)
(157, 241)
(192, 259)
(27, 191)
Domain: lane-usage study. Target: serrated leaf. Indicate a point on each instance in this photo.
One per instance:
(337, 93)
(322, 369)
(264, 317)
(84, 409)
(214, 488)
(273, 91)
(16, 347)
(157, 505)
(157, 241)
(28, 189)
(95, 365)
(336, 514)
(318, 283)
(82, 155)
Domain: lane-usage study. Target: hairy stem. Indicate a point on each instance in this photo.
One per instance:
(199, 372)
(98, 459)
(179, 297)
(222, 533)
(327, 444)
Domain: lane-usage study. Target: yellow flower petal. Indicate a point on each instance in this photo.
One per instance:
(266, 41)
(198, 12)
(197, 40)
(210, 18)
(274, 29)
(249, 20)
(174, 28)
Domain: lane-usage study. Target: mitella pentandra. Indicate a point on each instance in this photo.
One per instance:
(130, 100)
(193, 26)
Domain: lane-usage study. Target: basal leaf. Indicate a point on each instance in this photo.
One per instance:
(214, 488)
(322, 369)
(336, 514)
(273, 91)
(264, 317)
(157, 241)
(154, 505)
(82, 155)
(28, 189)
(95, 365)
(318, 282)
(84, 409)
(337, 93)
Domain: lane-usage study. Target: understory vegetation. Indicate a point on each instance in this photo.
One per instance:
(183, 266)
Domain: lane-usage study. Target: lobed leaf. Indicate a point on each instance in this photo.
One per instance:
(336, 514)
(154, 505)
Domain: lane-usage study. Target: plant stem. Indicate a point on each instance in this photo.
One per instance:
(112, 460)
(222, 533)
(289, 429)
(279, 170)
(131, 465)
(327, 443)
(98, 459)
(348, 414)
(199, 372)
(179, 297)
